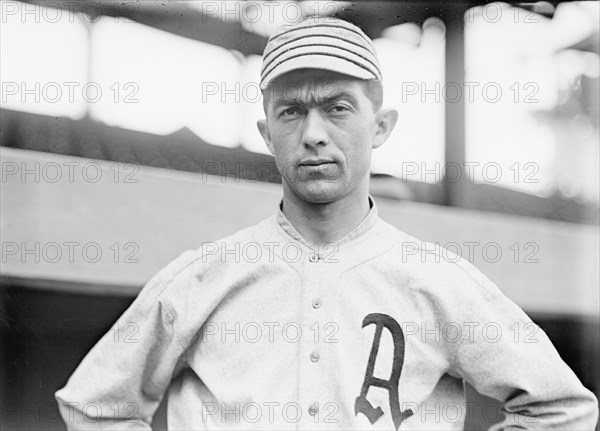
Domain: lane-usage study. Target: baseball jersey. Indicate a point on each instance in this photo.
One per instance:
(379, 330)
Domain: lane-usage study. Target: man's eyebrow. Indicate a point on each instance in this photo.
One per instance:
(294, 101)
(340, 95)
(286, 102)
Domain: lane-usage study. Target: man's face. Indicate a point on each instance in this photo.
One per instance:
(321, 128)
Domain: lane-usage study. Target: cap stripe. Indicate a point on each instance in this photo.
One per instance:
(328, 54)
(266, 62)
(267, 54)
(321, 25)
(272, 64)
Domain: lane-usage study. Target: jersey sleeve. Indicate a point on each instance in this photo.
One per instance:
(121, 381)
(506, 356)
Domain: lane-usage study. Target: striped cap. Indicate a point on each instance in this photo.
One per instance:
(320, 43)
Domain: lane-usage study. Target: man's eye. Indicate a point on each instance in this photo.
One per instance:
(339, 108)
(290, 112)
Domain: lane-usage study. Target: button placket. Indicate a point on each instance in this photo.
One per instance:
(319, 277)
(314, 382)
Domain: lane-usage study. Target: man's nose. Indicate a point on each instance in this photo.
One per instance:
(314, 131)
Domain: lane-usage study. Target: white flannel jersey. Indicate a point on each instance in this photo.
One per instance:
(377, 331)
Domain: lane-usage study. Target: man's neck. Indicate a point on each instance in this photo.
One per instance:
(325, 223)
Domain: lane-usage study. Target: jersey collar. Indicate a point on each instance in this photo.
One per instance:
(367, 223)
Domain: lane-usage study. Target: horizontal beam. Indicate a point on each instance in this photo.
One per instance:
(174, 17)
(178, 17)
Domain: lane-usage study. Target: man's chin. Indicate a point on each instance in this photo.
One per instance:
(320, 193)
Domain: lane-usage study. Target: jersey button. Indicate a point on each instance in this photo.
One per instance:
(314, 258)
(317, 303)
(314, 356)
(313, 409)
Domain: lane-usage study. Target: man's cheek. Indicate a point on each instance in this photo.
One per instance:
(282, 142)
(287, 169)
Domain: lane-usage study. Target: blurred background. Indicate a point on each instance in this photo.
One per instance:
(127, 133)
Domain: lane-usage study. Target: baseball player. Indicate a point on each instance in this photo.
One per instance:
(323, 316)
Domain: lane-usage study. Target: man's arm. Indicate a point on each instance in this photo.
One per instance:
(507, 357)
(121, 381)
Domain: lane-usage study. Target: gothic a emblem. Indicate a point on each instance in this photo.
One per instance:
(362, 405)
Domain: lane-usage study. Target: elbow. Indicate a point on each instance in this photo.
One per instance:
(73, 412)
(66, 408)
(584, 412)
(82, 414)
(593, 411)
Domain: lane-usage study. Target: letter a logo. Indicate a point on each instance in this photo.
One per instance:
(362, 405)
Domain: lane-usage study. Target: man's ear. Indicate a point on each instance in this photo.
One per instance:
(386, 121)
(263, 128)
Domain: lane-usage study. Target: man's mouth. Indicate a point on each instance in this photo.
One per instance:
(316, 162)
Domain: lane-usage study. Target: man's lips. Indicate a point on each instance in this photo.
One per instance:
(316, 162)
